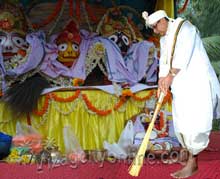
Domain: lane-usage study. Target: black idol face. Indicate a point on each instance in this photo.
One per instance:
(121, 40)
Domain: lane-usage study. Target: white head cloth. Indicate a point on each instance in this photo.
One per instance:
(152, 19)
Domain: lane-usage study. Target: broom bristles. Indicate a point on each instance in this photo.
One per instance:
(137, 163)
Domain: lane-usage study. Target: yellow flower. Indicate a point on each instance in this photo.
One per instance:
(99, 48)
(78, 82)
(25, 159)
(14, 152)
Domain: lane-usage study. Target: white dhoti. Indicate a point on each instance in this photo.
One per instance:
(195, 88)
(192, 110)
(194, 143)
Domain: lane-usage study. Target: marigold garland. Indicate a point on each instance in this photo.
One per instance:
(78, 82)
(151, 93)
(68, 99)
(93, 108)
(167, 98)
(127, 93)
(123, 98)
(120, 103)
(44, 108)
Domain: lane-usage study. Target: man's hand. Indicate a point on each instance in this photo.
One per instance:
(164, 84)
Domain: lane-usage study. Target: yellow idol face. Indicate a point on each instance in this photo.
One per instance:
(68, 52)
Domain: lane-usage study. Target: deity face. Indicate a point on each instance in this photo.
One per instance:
(13, 28)
(68, 52)
(11, 42)
(121, 40)
(116, 27)
(68, 42)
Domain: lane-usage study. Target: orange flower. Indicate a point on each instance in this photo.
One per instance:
(68, 99)
(127, 92)
(167, 98)
(44, 108)
(151, 93)
(93, 108)
(78, 82)
(120, 103)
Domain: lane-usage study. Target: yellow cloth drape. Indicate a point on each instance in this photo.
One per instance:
(91, 130)
(167, 5)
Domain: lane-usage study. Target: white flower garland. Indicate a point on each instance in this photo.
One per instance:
(71, 107)
(94, 57)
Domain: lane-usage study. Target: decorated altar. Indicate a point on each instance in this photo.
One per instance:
(64, 73)
(94, 115)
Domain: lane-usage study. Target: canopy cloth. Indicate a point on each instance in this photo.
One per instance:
(90, 129)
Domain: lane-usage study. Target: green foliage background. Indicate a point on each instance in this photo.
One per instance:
(205, 15)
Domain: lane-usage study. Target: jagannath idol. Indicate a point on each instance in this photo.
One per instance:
(74, 53)
(12, 37)
(68, 43)
(116, 27)
(20, 55)
(63, 64)
(135, 53)
(13, 29)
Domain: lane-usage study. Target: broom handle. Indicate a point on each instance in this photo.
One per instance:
(156, 111)
(138, 161)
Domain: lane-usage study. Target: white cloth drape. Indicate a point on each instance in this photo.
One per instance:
(195, 88)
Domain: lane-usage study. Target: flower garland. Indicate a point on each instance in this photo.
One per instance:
(70, 108)
(68, 99)
(44, 108)
(93, 108)
(120, 103)
(167, 98)
(162, 129)
(135, 97)
(78, 82)
(95, 55)
(126, 94)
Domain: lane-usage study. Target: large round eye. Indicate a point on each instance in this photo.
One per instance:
(125, 40)
(2, 39)
(151, 113)
(75, 47)
(62, 47)
(18, 41)
(114, 38)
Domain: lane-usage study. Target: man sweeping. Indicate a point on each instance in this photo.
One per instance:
(186, 69)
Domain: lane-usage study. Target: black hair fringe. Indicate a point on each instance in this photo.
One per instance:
(22, 97)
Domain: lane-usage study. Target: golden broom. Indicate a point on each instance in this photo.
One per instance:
(137, 163)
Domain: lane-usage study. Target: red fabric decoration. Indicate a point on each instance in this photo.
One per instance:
(78, 9)
(183, 8)
(69, 34)
(71, 8)
(52, 16)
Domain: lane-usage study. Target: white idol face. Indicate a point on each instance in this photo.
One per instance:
(11, 42)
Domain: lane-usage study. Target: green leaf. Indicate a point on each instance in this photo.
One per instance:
(212, 46)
